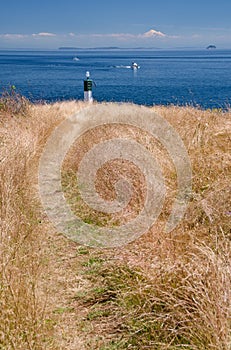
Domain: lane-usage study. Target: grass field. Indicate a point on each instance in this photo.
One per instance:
(162, 291)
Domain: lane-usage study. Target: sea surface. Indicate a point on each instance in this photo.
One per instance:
(199, 78)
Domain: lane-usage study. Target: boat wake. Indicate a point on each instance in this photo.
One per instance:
(125, 67)
(133, 66)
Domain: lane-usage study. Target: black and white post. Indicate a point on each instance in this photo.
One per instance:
(88, 88)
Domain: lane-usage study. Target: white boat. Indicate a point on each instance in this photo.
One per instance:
(135, 65)
(75, 59)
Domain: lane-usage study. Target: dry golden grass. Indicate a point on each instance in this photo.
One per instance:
(23, 252)
(163, 291)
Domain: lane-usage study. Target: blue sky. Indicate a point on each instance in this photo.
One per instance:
(123, 23)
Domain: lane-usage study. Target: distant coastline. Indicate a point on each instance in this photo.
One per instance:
(115, 48)
(71, 48)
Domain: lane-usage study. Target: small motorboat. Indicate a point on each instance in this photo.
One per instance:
(135, 65)
(75, 59)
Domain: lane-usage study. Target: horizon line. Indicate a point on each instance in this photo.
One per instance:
(112, 48)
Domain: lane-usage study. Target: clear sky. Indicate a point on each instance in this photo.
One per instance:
(123, 23)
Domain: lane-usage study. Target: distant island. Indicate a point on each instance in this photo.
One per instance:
(92, 48)
(74, 48)
(70, 48)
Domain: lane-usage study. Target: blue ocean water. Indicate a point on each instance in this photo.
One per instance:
(201, 78)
